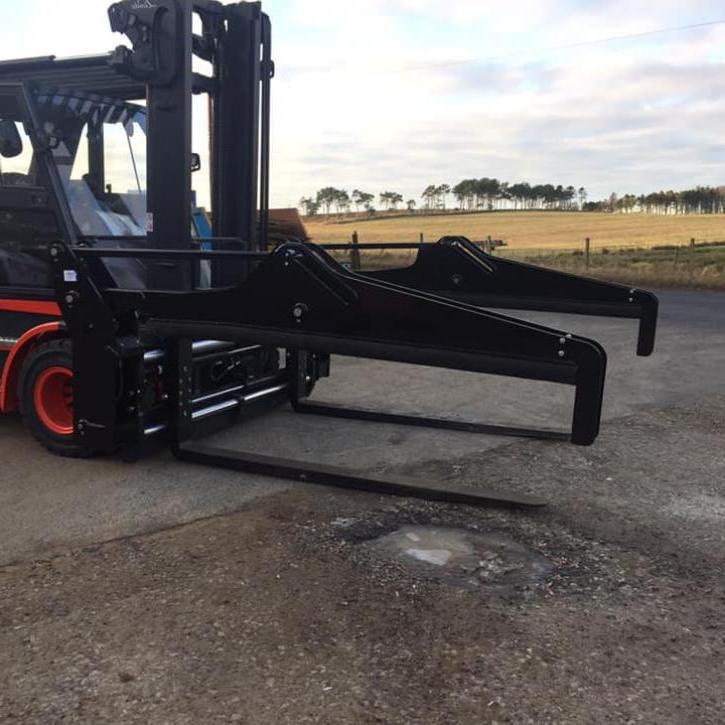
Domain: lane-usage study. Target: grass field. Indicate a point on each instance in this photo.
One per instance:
(622, 244)
(701, 267)
(532, 230)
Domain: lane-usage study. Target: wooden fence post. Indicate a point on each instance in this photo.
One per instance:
(587, 251)
(355, 262)
(422, 238)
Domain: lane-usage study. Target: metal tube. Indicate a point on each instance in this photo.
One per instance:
(265, 393)
(219, 394)
(201, 347)
(216, 409)
(168, 254)
(374, 246)
(154, 356)
(228, 405)
(154, 430)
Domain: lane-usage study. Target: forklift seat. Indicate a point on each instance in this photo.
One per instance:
(19, 269)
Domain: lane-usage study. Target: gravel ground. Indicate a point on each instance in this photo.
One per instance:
(290, 611)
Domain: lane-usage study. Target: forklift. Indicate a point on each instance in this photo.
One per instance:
(124, 327)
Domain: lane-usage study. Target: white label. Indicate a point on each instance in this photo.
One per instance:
(70, 275)
(150, 223)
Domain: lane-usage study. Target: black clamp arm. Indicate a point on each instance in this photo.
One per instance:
(457, 268)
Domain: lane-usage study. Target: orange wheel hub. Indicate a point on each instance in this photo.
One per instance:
(53, 400)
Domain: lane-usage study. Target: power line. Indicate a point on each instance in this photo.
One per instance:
(579, 44)
(535, 51)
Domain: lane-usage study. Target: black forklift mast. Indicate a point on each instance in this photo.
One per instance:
(235, 40)
(161, 58)
(141, 357)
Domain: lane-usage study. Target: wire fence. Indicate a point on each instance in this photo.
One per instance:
(588, 249)
(695, 263)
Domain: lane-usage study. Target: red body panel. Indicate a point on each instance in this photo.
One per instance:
(32, 307)
(14, 363)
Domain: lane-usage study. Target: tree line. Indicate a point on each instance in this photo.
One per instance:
(470, 195)
(491, 194)
(328, 199)
(700, 200)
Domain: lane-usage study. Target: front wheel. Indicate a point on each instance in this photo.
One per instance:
(45, 396)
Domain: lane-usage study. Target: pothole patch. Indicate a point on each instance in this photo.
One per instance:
(464, 558)
(701, 507)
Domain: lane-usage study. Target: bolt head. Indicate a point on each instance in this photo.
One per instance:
(299, 311)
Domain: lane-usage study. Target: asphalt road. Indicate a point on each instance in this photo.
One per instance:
(47, 504)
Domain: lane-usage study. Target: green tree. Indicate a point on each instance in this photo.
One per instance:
(429, 195)
(362, 199)
(582, 194)
(327, 197)
(309, 206)
(342, 201)
(391, 199)
(395, 199)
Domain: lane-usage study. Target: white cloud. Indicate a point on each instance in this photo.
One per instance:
(373, 94)
(629, 115)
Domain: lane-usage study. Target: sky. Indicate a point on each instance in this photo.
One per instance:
(394, 95)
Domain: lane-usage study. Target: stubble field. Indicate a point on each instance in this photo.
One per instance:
(531, 230)
(634, 249)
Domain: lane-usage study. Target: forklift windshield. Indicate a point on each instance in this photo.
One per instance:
(99, 148)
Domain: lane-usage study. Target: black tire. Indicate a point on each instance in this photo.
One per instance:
(54, 355)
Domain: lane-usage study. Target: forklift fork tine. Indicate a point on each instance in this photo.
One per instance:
(373, 416)
(343, 478)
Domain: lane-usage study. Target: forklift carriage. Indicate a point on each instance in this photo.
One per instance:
(124, 324)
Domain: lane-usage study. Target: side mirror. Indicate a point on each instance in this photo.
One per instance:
(195, 163)
(11, 145)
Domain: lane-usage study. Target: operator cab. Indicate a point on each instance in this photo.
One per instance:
(92, 184)
(99, 150)
(27, 214)
(98, 153)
